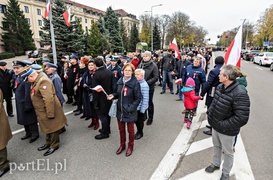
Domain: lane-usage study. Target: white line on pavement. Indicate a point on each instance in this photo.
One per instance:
(21, 130)
(260, 68)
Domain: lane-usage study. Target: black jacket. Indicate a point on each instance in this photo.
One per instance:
(151, 72)
(5, 83)
(168, 63)
(229, 110)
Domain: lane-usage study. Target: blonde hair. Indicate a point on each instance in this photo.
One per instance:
(239, 72)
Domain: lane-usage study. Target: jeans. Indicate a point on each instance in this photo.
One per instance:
(167, 74)
(180, 94)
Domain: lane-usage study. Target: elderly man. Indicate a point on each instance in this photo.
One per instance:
(26, 115)
(228, 112)
(47, 107)
(5, 136)
(151, 76)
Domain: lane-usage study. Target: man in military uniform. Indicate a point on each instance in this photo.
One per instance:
(5, 136)
(47, 107)
(6, 86)
(26, 115)
(51, 71)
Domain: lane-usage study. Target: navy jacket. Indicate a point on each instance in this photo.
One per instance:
(129, 97)
(197, 74)
(116, 74)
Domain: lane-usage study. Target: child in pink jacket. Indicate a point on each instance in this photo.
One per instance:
(190, 100)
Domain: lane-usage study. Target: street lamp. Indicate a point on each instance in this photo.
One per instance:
(152, 25)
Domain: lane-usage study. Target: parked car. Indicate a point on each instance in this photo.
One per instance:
(264, 58)
(35, 54)
(250, 54)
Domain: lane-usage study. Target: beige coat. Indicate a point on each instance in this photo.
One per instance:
(48, 109)
(5, 132)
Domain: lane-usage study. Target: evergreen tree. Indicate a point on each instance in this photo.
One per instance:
(112, 25)
(156, 37)
(94, 42)
(105, 34)
(17, 36)
(134, 38)
(124, 35)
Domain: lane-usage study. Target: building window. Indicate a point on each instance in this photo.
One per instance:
(85, 20)
(3, 8)
(40, 22)
(41, 33)
(28, 20)
(86, 29)
(76, 18)
(38, 11)
(26, 9)
(80, 19)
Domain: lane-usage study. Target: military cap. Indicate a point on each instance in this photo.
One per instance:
(123, 57)
(51, 65)
(27, 62)
(26, 72)
(2, 63)
(45, 60)
(18, 64)
(114, 58)
(36, 66)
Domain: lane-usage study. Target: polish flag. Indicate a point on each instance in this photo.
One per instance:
(66, 16)
(233, 54)
(178, 81)
(47, 9)
(174, 46)
(98, 88)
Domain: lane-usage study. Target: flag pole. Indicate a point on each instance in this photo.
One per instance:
(53, 46)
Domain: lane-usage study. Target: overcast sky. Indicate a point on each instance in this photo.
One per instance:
(216, 16)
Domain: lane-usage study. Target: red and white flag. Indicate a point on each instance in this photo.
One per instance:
(233, 54)
(98, 88)
(67, 16)
(47, 9)
(174, 46)
(178, 81)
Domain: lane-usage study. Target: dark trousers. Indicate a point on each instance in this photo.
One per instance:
(151, 104)
(9, 106)
(141, 117)
(105, 123)
(32, 129)
(53, 139)
(4, 163)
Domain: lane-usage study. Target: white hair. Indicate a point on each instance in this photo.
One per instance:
(142, 72)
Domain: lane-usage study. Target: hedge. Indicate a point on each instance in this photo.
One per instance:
(6, 55)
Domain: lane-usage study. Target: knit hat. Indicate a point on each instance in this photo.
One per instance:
(219, 60)
(190, 82)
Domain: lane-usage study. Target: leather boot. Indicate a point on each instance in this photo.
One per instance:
(122, 135)
(130, 127)
(92, 123)
(96, 123)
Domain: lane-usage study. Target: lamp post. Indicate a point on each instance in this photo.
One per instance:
(244, 20)
(152, 48)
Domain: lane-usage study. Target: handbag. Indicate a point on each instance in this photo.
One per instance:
(113, 109)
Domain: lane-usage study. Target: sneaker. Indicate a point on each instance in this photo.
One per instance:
(184, 111)
(207, 132)
(162, 92)
(224, 177)
(211, 168)
(171, 92)
(188, 124)
(186, 120)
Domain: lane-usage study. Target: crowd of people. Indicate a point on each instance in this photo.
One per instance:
(127, 83)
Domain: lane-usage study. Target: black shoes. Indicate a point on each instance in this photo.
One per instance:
(209, 126)
(87, 118)
(211, 168)
(101, 136)
(11, 115)
(74, 104)
(78, 113)
(25, 137)
(33, 139)
(149, 122)
(44, 147)
(162, 92)
(207, 132)
(76, 110)
(82, 117)
(69, 101)
(100, 130)
(224, 177)
(138, 136)
(171, 92)
(50, 151)
(2, 172)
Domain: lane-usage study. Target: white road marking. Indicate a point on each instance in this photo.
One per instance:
(241, 167)
(260, 68)
(22, 129)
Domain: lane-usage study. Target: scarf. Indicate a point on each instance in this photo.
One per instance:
(146, 64)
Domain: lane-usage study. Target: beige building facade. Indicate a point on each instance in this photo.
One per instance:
(34, 12)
